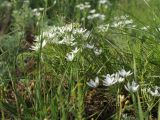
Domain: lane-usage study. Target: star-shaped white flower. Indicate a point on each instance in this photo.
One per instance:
(155, 91)
(132, 87)
(123, 73)
(97, 51)
(75, 50)
(70, 56)
(37, 45)
(92, 83)
(90, 46)
(118, 78)
(109, 80)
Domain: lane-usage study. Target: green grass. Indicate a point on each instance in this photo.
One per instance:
(45, 84)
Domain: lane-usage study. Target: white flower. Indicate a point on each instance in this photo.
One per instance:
(90, 17)
(145, 28)
(132, 87)
(65, 34)
(92, 83)
(109, 80)
(125, 116)
(80, 6)
(97, 51)
(155, 91)
(128, 21)
(122, 21)
(37, 45)
(90, 46)
(108, 75)
(79, 31)
(96, 15)
(123, 73)
(105, 6)
(87, 6)
(70, 56)
(102, 17)
(37, 11)
(103, 1)
(75, 50)
(118, 78)
(103, 28)
(54, 2)
(86, 3)
(133, 26)
(92, 11)
(41, 9)
(37, 14)
(83, 6)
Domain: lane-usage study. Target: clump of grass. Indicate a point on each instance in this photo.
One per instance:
(67, 60)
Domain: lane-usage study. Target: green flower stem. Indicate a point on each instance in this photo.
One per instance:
(119, 106)
(159, 111)
(140, 111)
(1, 99)
(134, 102)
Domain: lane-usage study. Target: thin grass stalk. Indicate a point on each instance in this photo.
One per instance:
(134, 103)
(134, 67)
(140, 111)
(39, 104)
(72, 84)
(38, 80)
(80, 101)
(118, 105)
(54, 109)
(159, 110)
(15, 95)
(120, 109)
(2, 99)
(62, 105)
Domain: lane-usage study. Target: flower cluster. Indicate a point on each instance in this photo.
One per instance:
(111, 79)
(97, 51)
(133, 87)
(117, 77)
(118, 22)
(37, 11)
(61, 35)
(103, 28)
(92, 13)
(122, 21)
(120, 77)
(82, 6)
(66, 34)
(96, 15)
(104, 2)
